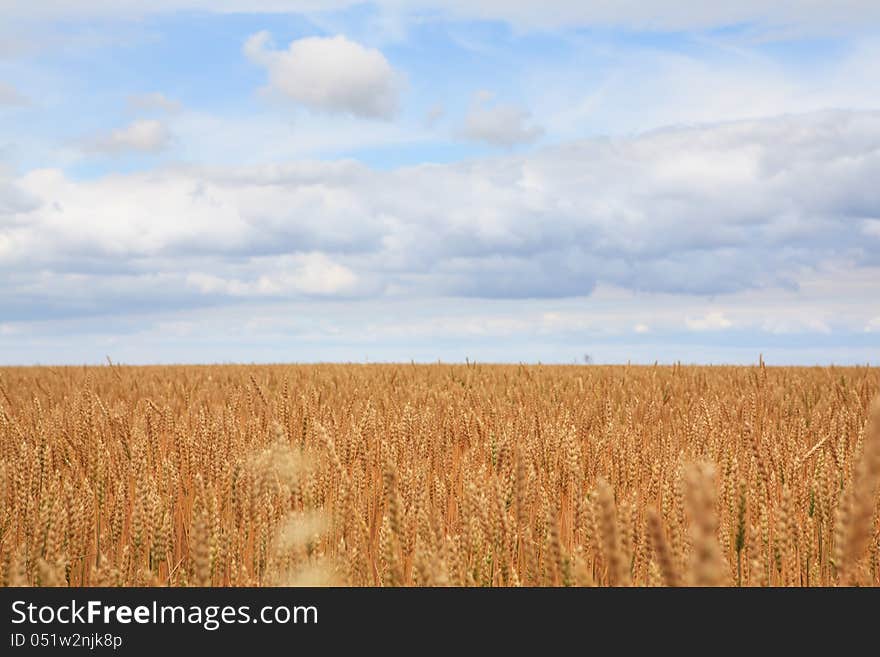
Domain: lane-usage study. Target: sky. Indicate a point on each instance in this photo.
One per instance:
(508, 181)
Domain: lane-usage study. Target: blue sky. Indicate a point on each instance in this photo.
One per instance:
(299, 181)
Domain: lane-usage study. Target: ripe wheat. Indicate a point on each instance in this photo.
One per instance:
(468, 475)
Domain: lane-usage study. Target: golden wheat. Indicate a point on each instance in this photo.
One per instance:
(470, 475)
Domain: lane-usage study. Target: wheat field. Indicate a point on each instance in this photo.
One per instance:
(430, 475)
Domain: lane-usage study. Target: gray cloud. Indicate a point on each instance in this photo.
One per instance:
(709, 210)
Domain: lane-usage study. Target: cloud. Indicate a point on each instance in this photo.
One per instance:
(329, 74)
(707, 210)
(666, 14)
(153, 102)
(141, 136)
(642, 328)
(873, 326)
(562, 330)
(310, 274)
(14, 201)
(499, 124)
(9, 96)
(713, 321)
(784, 16)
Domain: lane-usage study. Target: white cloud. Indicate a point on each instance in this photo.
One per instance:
(499, 124)
(329, 74)
(10, 96)
(708, 210)
(13, 201)
(873, 326)
(642, 328)
(153, 102)
(871, 227)
(311, 274)
(142, 136)
(713, 321)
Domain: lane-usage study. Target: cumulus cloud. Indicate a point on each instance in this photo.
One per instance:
(153, 102)
(10, 96)
(498, 124)
(329, 74)
(141, 136)
(710, 210)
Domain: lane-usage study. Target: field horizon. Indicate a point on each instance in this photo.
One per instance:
(428, 363)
